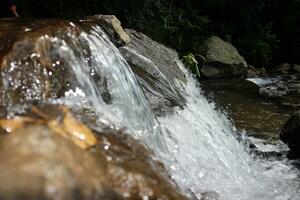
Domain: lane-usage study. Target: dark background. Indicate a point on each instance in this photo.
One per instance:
(266, 32)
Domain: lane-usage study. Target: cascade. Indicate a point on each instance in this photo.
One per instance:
(197, 144)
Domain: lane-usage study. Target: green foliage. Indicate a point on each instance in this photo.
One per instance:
(266, 32)
(191, 63)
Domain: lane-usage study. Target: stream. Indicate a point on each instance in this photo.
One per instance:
(202, 148)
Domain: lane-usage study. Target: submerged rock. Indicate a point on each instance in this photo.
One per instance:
(222, 59)
(290, 135)
(157, 68)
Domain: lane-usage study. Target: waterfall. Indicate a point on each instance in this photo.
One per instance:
(197, 144)
(204, 155)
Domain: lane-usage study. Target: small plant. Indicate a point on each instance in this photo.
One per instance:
(191, 63)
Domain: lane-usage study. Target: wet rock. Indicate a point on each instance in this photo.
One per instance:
(272, 91)
(118, 168)
(278, 86)
(255, 72)
(222, 59)
(112, 27)
(37, 64)
(56, 168)
(210, 196)
(285, 68)
(157, 68)
(296, 68)
(290, 135)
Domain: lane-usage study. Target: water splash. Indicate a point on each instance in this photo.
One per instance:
(204, 155)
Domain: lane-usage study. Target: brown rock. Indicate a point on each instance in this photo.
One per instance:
(37, 163)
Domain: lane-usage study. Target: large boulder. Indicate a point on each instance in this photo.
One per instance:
(290, 135)
(222, 59)
(158, 70)
(40, 163)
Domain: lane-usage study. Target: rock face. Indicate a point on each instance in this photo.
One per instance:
(291, 135)
(157, 68)
(222, 59)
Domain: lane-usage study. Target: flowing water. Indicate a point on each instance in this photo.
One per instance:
(206, 156)
(197, 144)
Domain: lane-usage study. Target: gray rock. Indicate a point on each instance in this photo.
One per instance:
(285, 68)
(112, 26)
(222, 59)
(296, 68)
(158, 70)
(277, 90)
(290, 135)
(253, 72)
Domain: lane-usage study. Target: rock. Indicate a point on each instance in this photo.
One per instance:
(38, 60)
(158, 70)
(290, 135)
(34, 71)
(118, 168)
(285, 68)
(253, 72)
(278, 86)
(222, 59)
(112, 27)
(272, 91)
(296, 68)
(210, 196)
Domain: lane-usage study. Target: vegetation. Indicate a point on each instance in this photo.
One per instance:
(266, 32)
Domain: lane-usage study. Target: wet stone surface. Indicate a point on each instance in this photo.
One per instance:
(116, 167)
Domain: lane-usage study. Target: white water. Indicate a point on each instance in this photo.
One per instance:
(206, 156)
(128, 107)
(198, 145)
